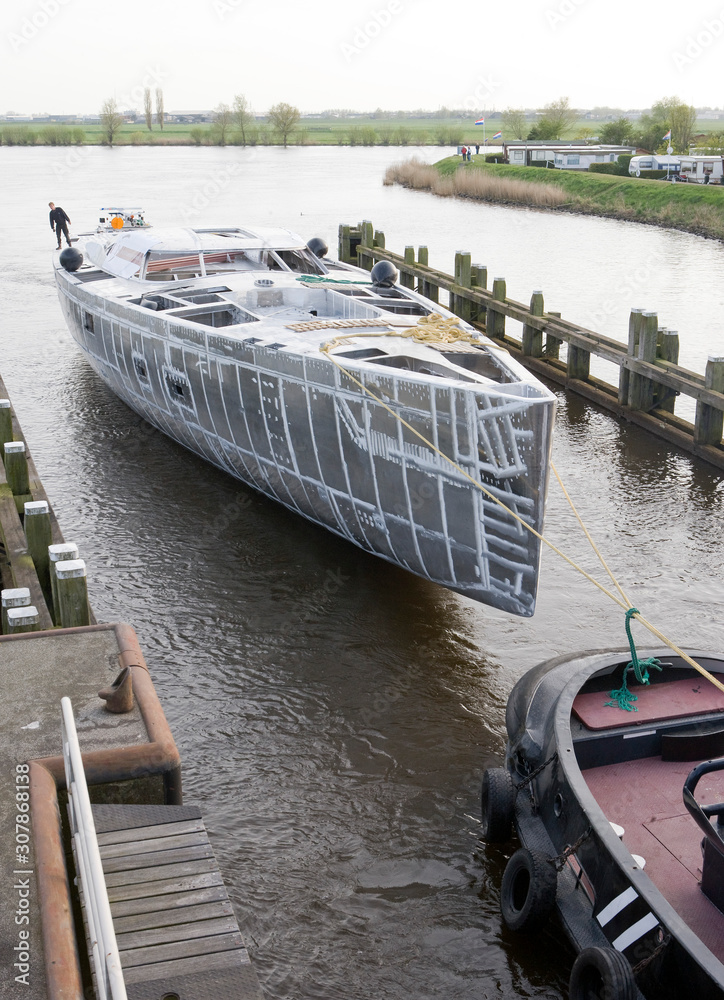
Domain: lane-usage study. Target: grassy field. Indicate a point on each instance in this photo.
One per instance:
(364, 130)
(695, 208)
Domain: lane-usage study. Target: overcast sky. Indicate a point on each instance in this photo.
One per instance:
(66, 56)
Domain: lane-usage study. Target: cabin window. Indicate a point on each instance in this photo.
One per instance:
(708, 168)
(518, 154)
(165, 265)
(139, 364)
(573, 159)
(539, 154)
(88, 323)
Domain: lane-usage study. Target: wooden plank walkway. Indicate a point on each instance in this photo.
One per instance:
(174, 923)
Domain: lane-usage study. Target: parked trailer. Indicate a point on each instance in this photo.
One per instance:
(652, 161)
(702, 169)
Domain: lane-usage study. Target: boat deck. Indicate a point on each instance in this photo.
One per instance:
(645, 797)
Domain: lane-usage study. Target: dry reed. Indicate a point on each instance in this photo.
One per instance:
(475, 184)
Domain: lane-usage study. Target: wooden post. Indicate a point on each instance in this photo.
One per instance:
(553, 344)
(423, 286)
(463, 277)
(23, 619)
(344, 249)
(667, 349)
(6, 423)
(367, 238)
(634, 329)
(379, 239)
(39, 535)
(16, 468)
(480, 276)
(579, 363)
(495, 321)
(532, 341)
(709, 420)
(15, 597)
(641, 388)
(408, 280)
(72, 587)
(62, 552)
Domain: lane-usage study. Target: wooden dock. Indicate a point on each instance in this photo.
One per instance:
(650, 377)
(174, 923)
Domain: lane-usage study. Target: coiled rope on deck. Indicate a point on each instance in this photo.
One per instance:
(622, 601)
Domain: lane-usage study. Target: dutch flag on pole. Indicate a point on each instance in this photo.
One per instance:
(668, 135)
(480, 121)
(498, 135)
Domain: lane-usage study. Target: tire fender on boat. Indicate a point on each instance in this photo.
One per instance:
(528, 890)
(602, 972)
(497, 805)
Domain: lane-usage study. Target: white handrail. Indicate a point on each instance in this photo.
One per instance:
(109, 975)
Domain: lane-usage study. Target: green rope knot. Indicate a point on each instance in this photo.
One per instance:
(318, 279)
(622, 697)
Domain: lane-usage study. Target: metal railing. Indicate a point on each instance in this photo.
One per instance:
(101, 935)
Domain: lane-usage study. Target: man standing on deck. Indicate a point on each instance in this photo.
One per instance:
(59, 223)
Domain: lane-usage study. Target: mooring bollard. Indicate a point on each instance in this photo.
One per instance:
(634, 329)
(532, 341)
(461, 306)
(73, 609)
(6, 423)
(408, 280)
(39, 535)
(15, 597)
(23, 619)
(16, 467)
(62, 552)
(495, 321)
(641, 389)
(710, 420)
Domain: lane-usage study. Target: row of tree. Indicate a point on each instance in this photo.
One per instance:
(559, 119)
(148, 108)
(283, 119)
(239, 118)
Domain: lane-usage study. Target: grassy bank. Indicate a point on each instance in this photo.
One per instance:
(695, 208)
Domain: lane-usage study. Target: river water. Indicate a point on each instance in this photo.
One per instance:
(334, 714)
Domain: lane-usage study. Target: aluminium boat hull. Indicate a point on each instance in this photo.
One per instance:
(299, 429)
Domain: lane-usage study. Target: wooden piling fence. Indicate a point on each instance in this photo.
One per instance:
(650, 377)
(31, 542)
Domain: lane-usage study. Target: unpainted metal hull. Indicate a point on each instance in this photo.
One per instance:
(302, 432)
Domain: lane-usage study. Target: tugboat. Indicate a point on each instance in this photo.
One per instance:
(615, 789)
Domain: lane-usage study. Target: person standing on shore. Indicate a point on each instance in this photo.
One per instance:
(59, 223)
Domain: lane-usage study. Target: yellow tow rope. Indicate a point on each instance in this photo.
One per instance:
(437, 326)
